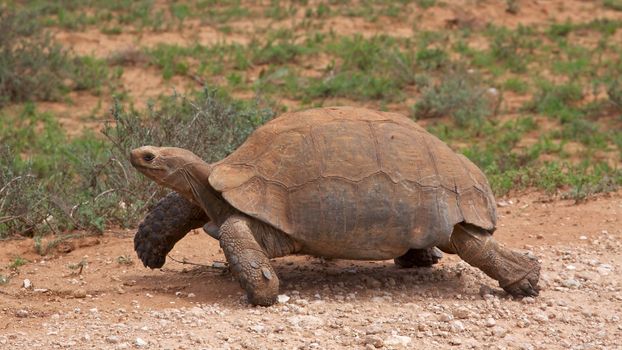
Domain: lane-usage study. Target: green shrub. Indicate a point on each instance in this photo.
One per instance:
(459, 94)
(32, 66)
(553, 99)
(613, 4)
(614, 92)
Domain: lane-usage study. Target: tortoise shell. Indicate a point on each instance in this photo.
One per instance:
(354, 183)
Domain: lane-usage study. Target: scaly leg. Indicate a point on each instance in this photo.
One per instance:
(248, 261)
(168, 222)
(517, 273)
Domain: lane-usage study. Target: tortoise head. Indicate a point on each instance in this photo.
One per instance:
(175, 168)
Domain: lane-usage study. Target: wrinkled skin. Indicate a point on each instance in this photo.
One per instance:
(517, 273)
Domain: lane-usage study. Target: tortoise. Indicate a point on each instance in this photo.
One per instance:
(338, 182)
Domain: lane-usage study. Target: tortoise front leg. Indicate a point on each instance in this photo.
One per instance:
(517, 273)
(248, 261)
(419, 258)
(168, 222)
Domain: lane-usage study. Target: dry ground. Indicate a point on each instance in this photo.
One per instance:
(335, 304)
(113, 302)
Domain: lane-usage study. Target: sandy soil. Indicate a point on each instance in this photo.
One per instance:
(334, 304)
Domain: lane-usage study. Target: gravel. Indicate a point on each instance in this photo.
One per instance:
(329, 305)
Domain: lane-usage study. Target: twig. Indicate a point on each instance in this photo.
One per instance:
(127, 179)
(15, 179)
(198, 79)
(104, 193)
(202, 265)
(9, 183)
(50, 226)
(4, 219)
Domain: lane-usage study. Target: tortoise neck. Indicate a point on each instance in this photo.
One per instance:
(203, 194)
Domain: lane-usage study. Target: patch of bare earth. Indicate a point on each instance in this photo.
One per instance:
(335, 304)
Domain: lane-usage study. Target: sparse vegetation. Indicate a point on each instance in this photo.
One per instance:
(125, 260)
(487, 93)
(613, 4)
(35, 67)
(87, 183)
(460, 95)
(17, 262)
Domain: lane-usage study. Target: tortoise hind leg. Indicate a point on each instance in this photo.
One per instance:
(168, 222)
(517, 273)
(419, 258)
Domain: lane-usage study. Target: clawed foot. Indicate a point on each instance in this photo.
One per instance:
(527, 286)
(151, 250)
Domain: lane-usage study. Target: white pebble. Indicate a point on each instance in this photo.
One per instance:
(140, 342)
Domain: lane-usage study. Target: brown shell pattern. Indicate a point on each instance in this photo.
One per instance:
(327, 174)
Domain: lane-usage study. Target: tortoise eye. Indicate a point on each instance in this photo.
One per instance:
(148, 157)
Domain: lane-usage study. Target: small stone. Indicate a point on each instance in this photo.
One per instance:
(528, 300)
(21, 313)
(373, 283)
(445, 317)
(79, 293)
(397, 340)
(282, 298)
(583, 238)
(257, 328)
(455, 341)
(490, 322)
(27, 284)
(541, 317)
(456, 326)
(302, 302)
(502, 203)
(191, 295)
(604, 269)
(526, 346)
(41, 290)
(571, 283)
(499, 331)
(373, 329)
(374, 340)
(305, 321)
(140, 342)
(461, 313)
(112, 339)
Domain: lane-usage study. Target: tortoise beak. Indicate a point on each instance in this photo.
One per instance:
(142, 157)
